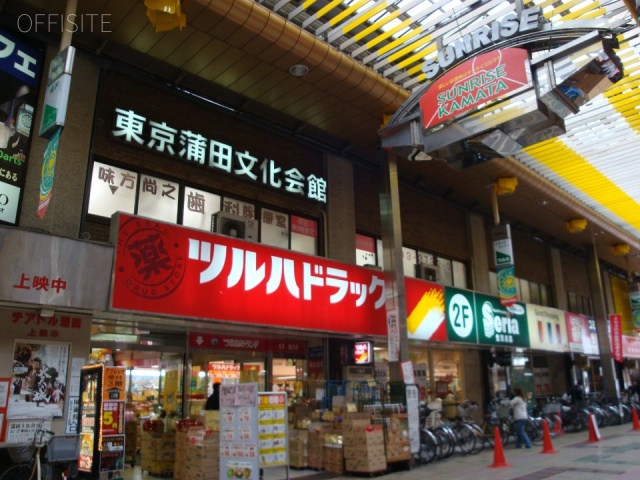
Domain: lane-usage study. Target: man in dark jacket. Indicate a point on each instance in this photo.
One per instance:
(213, 402)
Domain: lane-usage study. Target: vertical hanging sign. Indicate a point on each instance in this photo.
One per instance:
(48, 170)
(615, 321)
(503, 261)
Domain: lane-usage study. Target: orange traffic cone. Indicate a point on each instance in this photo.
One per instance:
(636, 422)
(594, 432)
(557, 429)
(547, 445)
(498, 452)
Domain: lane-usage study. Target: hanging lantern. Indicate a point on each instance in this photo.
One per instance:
(621, 249)
(165, 15)
(577, 225)
(506, 185)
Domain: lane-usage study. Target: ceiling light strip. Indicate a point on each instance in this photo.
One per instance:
(572, 167)
(437, 33)
(431, 21)
(378, 24)
(321, 13)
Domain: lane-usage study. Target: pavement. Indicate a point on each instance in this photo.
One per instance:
(578, 456)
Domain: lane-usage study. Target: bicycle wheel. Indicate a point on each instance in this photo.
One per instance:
(477, 431)
(534, 431)
(21, 471)
(489, 433)
(428, 447)
(465, 438)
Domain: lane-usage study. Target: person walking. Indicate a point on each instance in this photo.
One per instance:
(520, 417)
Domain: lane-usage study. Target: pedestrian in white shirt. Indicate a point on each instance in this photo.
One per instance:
(520, 417)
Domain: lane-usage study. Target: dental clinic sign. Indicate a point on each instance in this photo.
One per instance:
(476, 82)
(194, 148)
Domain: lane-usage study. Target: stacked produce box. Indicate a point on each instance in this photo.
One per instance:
(364, 448)
(202, 454)
(299, 448)
(158, 453)
(398, 444)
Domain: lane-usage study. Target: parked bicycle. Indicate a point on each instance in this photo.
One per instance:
(47, 457)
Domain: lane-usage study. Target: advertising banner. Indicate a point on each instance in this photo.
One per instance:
(500, 325)
(164, 268)
(579, 334)
(475, 83)
(239, 437)
(547, 328)
(630, 347)
(425, 311)
(20, 73)
(615, 322)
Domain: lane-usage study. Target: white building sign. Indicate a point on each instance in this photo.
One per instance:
(131, 127)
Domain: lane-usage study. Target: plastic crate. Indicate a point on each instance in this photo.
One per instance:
(63, 448)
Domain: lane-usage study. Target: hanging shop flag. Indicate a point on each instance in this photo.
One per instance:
(615, 321)
(48, 170)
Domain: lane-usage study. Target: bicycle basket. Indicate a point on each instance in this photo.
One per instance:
(553, 407)
(503, 410)
(433, 420)
(21, 453)
(63, 448)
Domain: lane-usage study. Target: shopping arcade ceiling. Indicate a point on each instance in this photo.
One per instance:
(364, 58)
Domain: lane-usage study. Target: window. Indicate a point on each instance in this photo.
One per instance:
(198, 208)
(451, 272)
(116, 189)
(366, 251)
(579, 304)
(274, 228)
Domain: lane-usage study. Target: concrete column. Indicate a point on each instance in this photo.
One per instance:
(602, 319)
(64, 214)
(558, 287)
(479, 255)
(340, 221)
(393, 269)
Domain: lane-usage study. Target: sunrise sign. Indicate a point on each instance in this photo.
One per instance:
(475, 83)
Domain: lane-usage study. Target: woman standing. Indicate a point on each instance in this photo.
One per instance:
(520, 417)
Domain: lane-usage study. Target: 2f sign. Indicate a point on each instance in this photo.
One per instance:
(460, 316)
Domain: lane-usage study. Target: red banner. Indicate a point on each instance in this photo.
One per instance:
(490, 76)
(615, 321)
(173, 270)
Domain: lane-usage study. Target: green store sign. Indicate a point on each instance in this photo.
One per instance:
(482, 319)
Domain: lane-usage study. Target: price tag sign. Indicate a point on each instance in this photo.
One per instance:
(112, 418)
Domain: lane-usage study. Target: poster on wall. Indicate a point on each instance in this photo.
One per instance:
(39, 379)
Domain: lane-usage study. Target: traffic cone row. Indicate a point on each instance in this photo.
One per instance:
(498, 452)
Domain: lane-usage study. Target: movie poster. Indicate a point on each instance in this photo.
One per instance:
(38, 384)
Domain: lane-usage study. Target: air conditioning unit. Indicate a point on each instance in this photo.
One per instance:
(226, 223)
(428, 272)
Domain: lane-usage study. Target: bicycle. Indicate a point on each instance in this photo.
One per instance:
(48, 457)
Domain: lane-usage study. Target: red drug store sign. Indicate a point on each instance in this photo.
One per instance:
(172, 270)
